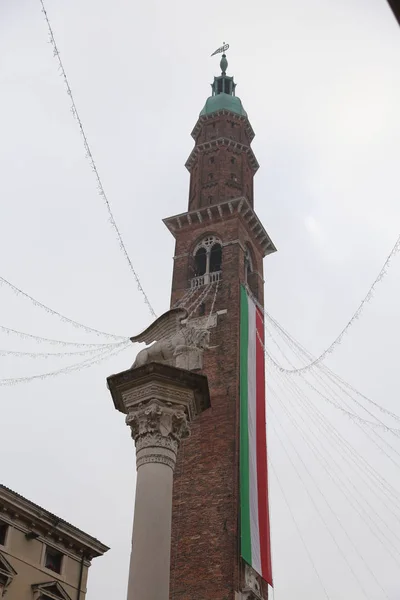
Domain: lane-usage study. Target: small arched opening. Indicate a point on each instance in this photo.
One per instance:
(207, 259)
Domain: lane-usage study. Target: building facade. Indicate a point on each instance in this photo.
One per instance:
(220, 244)
(42, 557)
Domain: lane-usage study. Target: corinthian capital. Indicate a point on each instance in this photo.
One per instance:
(157, 430)
(159, 402)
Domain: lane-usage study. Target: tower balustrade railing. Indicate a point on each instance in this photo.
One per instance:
(205, 279)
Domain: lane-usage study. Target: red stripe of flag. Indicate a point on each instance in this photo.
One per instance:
(262, 473)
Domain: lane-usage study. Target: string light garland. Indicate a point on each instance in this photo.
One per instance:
(35, 355)
(336, 390)
(356, 315)
(275, 472)
(329, 529)
(349, 490)
(185, 298)
(91, 160)
(201, 298)
(212, 306)
(341, 383)
(353, 416)
(324, 369)
(347, 450)
(320, 374)
(103, 355)
(41, 340)
(53, 312)
(293, 413)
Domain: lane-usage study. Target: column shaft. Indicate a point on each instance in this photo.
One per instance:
(151, 539)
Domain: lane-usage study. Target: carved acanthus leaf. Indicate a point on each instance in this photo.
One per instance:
(156, 422)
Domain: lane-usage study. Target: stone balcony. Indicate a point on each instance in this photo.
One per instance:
(205, 279)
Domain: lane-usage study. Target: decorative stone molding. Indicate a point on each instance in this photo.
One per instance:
(252, 589)
(223, 112)
(156, 458)
(162, 393)
(30, 518)
(7, 574)
(157, 430)
(222, 141)
(221, 212)
(156, 440)
(50, 589)
(159, 402)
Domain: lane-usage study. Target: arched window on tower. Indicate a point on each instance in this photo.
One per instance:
(207, 261)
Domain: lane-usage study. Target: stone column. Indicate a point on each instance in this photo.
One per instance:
(159, 401)
(157, 431)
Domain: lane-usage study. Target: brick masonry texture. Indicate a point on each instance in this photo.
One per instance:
(221, 172)
(205, 551)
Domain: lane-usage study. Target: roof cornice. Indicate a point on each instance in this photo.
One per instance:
(219, 212)
(220, 113)
(37, 517)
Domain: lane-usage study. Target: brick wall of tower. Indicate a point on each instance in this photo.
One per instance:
(221, 173)
(224, 125)
(205, 559)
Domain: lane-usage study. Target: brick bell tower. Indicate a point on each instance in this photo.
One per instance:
(220, 243)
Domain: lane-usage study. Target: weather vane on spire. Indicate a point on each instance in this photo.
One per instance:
(223, 48)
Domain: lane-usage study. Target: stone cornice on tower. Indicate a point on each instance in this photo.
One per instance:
(222, 141)
(222, 113)
(220, 212)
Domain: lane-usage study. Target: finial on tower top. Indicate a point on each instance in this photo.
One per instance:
(224, 63)
(223, 49)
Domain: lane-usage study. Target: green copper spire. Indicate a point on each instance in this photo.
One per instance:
(223, 94)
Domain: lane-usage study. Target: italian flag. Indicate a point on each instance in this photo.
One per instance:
(254, 515)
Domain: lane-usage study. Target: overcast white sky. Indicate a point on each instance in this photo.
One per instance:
(320, 80)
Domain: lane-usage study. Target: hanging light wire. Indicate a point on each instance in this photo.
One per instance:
(336, 379)
(102, 355)
(91, 160)
(354, 416)
(356, 315)
(344, 484)
(307, 356)
(311, 498)
(53, 312)
(347, 450)
(306, 548)
(334, 395)
(35, 355)
(41, 340)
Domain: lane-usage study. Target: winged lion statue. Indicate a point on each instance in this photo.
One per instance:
(170, 337)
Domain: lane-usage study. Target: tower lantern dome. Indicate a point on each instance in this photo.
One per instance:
(223, 94)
